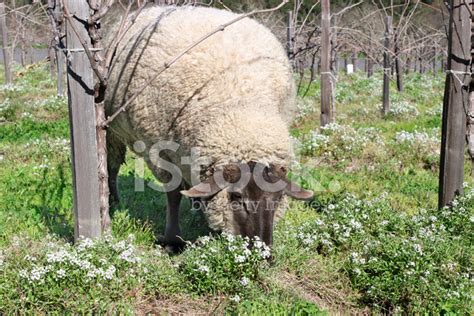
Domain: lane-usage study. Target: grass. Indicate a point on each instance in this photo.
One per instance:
(371, 241)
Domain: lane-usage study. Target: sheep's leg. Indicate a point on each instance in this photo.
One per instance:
(172, 218)
(115, 158)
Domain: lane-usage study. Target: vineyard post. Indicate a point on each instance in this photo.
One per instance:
(386, 66)
(327, 112)
(59, 53)
(333, 44)
(289, 35)
(6, 53)
(398, 62)
(82, 116)
(354, 60)
(456, 100)
(370, 64)
(470, 113)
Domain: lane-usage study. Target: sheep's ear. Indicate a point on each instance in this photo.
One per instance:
(206, 188)
(298, 193)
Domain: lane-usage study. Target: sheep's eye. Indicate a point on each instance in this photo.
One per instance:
(236, 196)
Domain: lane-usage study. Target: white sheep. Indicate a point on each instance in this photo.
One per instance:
(231, 98)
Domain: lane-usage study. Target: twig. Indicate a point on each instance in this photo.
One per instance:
(185, 51)
(306, 18)
(54, 23)
(122, 30)
(94, 65)
(101, 12)
(347, 8)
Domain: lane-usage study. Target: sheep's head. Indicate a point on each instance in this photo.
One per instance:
(248, 195)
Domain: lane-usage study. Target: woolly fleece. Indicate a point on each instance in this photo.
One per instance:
(231, 97)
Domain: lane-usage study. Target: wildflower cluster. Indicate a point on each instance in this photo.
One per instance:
(57, 145)
(51, 103)
(226, 263)
(403, 109)
(422, 90)
(79, 275)
(7, 110)
(412, 263)
(339, 142)
(423, 146)
(62, 262)
(304, 107)
(437, 111)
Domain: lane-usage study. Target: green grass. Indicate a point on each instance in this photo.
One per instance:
(366, 170)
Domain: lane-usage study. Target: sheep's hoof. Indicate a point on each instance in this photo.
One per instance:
(172, 244)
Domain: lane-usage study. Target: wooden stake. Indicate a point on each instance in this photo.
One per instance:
(83, 127)
(6, 52)
(333, 43)
(370, 64)
(59, 53)
(398, 63)
(455, 103)
(289, 36)
(327, 106)
(386, 66)
(354, 60)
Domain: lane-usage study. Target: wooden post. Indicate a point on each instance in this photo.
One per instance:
(83, 127)
(420, 59)
(289, 35)
(366, 66)
(327, 106)
(370, 63)
(386, 66)
(6, 53)
(60, 60)
(408, 65)
(333, 44)
(470, 112)
(52, 60)
(398, 65)
(470, 125)
(354, 60)
(456, 100)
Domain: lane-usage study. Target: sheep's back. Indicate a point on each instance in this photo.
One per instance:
(241, 71)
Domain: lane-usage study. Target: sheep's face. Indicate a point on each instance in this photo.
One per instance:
(253, 192)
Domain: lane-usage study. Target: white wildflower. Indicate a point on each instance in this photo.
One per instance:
(229, 237)
(84, 244)
(60, 273)
(203, 268)
(30, 258)
(121, 245)
(109, 273)
(418, 248)
(204, 239)
(129, 256)
(244, 281)
(58, 256)
(265, 253)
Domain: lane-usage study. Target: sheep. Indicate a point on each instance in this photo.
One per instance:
(231, 98)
